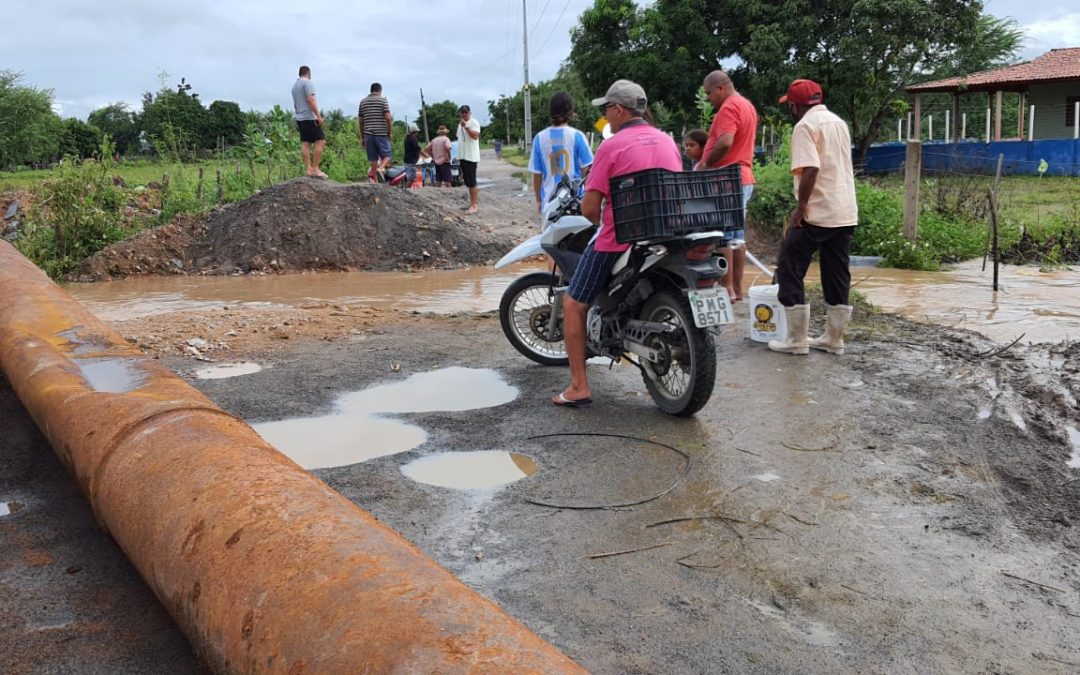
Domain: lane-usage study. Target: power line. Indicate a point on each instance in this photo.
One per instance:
(565, 7)
(542, 11)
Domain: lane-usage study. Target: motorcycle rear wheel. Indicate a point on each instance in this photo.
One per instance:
(682, 382)
(525, 315)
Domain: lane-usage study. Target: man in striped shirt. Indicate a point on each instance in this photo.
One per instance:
(376, 130)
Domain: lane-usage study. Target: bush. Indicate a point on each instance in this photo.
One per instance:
(774, 194)
(74, 215)
(941, 239)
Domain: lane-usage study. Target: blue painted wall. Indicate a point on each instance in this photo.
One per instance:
(1021, 157)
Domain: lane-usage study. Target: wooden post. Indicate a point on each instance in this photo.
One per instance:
(953, 136)
(1020, 116)
(918, 118)
(991, 233)
(912, 179)
(220, 188)
(908, 126)
(994, 233)
(198, 188)
(997, 115)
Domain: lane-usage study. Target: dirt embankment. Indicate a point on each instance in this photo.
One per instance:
(308, 224)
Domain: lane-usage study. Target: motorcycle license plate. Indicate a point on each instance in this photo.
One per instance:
(711, 307)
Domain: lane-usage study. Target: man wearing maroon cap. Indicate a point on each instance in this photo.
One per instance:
(823, 220)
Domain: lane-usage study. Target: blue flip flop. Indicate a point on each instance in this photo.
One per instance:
(561, 400)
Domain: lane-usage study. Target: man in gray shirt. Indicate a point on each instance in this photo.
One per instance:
(309, 121)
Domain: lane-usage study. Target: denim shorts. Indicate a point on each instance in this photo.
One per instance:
(747, 191)
(591, 274)
(377, 147)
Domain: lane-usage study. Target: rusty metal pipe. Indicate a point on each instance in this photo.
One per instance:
(264, 567)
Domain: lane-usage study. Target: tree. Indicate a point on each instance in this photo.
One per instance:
(79, 139)
(225, 121)
(119, 123)
(862, 52)
(176, 121)
(334, 121)
(29, 129)
(443, 112)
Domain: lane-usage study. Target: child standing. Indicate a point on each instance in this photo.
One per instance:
(694, 146)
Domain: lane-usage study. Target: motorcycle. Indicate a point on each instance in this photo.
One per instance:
(660, 309)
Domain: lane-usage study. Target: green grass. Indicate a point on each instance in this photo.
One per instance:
(515, 156)
(137, 172)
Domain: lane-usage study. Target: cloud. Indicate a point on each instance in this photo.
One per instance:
(1062, 31)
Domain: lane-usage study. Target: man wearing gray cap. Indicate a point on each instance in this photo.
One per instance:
(634, 145)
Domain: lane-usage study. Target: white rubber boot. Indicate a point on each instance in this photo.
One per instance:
(832, 341)
(798, 323)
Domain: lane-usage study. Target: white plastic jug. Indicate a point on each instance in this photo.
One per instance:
(767, 319)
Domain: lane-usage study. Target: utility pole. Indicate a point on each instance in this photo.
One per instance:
(423, 108)
(508, 121)
(528, 100)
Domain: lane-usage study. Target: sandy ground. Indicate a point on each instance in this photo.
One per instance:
(904, 508)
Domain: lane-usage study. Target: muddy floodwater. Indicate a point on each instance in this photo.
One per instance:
(1043, 306)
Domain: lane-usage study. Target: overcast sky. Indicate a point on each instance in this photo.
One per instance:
(95, 53)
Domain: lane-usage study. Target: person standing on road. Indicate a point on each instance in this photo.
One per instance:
(309, 121)
(633, 146)
(731, 141)
(439, 151)
(411, 152)
(823, 220)
(469, 154)
(376, 130)
(559, 150)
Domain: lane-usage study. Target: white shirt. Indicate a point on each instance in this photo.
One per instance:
(469, 147)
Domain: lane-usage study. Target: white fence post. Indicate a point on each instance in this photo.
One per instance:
(1031, 124)
(909, 126)
(963, 126)
(1076, 120)
(988, 125)
(948, 128)
(930, 128)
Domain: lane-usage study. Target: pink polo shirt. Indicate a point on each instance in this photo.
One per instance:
(633, 148)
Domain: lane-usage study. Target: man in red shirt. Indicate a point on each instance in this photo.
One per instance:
(731, 141)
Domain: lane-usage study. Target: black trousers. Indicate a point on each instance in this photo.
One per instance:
(796, 251)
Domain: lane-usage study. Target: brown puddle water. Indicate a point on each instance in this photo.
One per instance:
(480, 470)
(1043, 305)
(114, 376)
(355, 432)
(473, 289)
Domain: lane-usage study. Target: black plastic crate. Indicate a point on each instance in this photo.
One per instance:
(658, 204)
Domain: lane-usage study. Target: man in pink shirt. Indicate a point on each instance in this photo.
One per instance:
(633, 146)
(731, 141)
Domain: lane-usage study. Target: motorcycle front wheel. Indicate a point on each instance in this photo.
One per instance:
(682, 380)
(525, 314)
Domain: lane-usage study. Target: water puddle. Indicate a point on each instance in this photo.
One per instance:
(445, 390)
(474, 289)
(224, 370)
(1043, 305)
(355, 432)
(480, 470)
(811, 632)
(1074, 441)
(766, 477)
(78, 344)
(114, 376)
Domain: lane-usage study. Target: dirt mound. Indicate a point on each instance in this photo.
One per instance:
(308, 224)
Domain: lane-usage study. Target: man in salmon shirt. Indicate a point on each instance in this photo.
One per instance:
(731, 141)
(633, 146)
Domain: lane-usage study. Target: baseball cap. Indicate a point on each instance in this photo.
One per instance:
(464, 109)
(803, 92)
(413, 127)
(628, 94)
